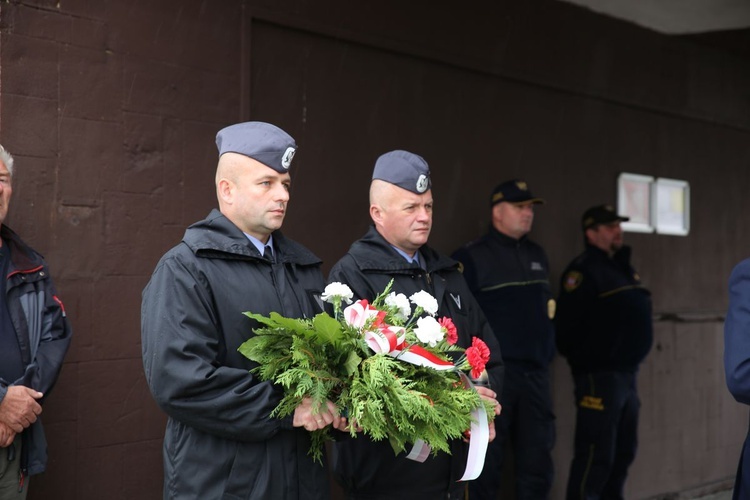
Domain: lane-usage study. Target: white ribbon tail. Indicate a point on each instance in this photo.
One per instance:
(420, 451)
(480, 435)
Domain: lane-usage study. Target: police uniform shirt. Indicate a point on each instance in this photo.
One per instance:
(262, 248)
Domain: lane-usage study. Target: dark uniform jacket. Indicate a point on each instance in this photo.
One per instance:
(220, 441)
(510, 280)
(369, 469)
(43, 334)
(603, 316)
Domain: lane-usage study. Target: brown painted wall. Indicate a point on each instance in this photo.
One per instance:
(110, 108)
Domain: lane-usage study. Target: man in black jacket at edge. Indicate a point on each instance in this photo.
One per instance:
(220, 441)
(509, 276)
(396, 248)
(604, 329)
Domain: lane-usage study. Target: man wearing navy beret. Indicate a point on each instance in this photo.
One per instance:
(395, 248)
(220, 441)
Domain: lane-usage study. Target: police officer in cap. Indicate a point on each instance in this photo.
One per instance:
(395, 248)
(220, 441)
(509, 276)
(604, 329)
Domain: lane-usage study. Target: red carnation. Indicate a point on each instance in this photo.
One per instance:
(478, 355)
(451, 334)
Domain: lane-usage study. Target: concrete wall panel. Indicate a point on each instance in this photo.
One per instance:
(35, 63)
(90, 80)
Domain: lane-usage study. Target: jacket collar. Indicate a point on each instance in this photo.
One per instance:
(622, 256)
(217, 237)
(373, 253)
(22, 257)
(504, 238)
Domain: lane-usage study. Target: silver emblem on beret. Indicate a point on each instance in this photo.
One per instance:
(286, 159)
(422, 183)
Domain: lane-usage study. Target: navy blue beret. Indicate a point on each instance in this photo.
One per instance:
(260, 141)
(403, 169)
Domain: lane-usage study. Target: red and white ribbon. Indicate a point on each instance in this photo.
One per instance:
(417, 355)
(387, 339)
(390, 340)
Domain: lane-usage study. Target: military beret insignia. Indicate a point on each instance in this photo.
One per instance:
(286, 160)
(423, 183)
(572, 281)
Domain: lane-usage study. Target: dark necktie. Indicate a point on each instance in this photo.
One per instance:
(267, 253)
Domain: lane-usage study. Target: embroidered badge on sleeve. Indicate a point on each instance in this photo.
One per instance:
(572, 281)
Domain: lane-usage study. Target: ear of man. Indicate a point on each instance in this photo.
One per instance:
(379, 199)
(226, 178)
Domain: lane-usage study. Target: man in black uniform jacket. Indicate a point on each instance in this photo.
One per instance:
(395, 249)
(221, 441)
(509, 276)
(604, 329)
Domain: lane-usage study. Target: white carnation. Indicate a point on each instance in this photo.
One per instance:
(339, 290)
(399, 302)
(429, 331)
(426, 301)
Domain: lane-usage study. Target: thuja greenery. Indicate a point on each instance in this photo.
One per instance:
(324, 358)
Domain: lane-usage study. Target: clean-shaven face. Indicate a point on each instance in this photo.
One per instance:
(513, 219)
(253, 196)
(403, 218)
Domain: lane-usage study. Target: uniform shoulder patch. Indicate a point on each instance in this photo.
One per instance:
(460, 267)
(572, 280)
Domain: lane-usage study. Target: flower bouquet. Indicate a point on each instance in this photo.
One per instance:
(395, 371)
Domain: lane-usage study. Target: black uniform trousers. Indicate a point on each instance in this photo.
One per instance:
(606, 435)
(527, 422)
